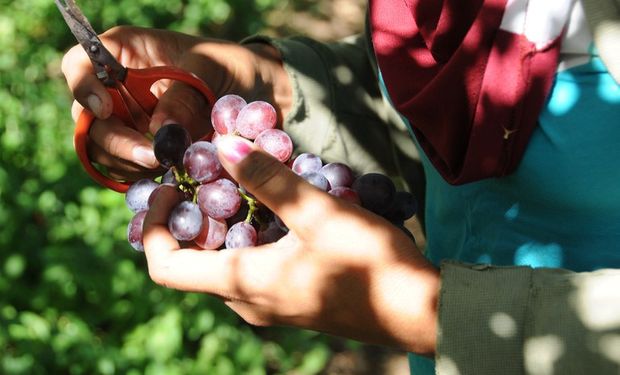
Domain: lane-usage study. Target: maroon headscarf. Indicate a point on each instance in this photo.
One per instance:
(471, 91)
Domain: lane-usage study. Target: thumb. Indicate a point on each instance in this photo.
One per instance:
(299, 204)
(184, 105)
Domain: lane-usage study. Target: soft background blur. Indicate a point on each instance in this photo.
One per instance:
(74, 297)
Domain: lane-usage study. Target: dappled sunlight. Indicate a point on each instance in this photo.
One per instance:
(503, 325)
(609, 346)
(541, 353)
(537, 254)
(590, 301)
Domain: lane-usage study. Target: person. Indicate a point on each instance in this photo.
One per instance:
(515, 112)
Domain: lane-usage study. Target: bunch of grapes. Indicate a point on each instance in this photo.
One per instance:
(218, 213)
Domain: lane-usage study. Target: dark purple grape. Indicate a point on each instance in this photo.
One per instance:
(317, 179)
(185, 221)
(280, 223)
(269, 233)
(241, 234)
(169, 145)
(404, 205)
(276, 143)
(134, 231)
(254, 118)
(338, 174)
(201, 162)
(347, 194)
(219, 199)
(225, 111)
(137, 196)
(307, 162)
(213, 233)
(241, 215)
(376, 191)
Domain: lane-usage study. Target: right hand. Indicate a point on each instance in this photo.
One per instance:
(252, 71)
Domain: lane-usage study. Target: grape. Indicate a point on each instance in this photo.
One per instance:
(215, 138)
(254, 118)
(169, 145)
(347, 194)
(307, 162)
(224, 113)
(169, 177)
(316, 179)
(213, 233)
(404, 205)
(219, 199)
(276, 143)
(376, 191)
(280, 224)
(137, 196)
(134, 231)
(154, 193)
(338, 174)
(201, 162)
(269, 233)
(185, 221)
(241, 234)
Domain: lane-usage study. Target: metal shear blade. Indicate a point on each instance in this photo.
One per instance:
(107, 68)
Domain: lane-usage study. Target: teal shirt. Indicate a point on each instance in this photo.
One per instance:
(560, 208)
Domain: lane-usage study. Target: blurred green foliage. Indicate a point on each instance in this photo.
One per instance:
(74, 297)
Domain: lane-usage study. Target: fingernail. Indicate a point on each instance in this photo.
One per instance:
(233, 148)
(144, 156)
(94, 104)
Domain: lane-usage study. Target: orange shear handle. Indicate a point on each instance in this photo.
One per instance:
(138, 83)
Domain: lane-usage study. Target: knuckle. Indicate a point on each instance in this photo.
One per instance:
(260, 171)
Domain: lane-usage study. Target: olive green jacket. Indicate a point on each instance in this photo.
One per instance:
(492, 320)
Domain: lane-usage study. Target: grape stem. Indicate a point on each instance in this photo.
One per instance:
(252, 206)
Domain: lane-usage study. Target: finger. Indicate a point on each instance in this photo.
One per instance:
(84, 84)
(123, 175)
(301, 205)
(206, 271)
(184, 105)
(122, 142)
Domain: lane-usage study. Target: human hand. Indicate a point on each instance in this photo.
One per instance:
(340, 269)
(251, 71)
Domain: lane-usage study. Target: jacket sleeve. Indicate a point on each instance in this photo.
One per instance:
(339, 112)
(519, 320)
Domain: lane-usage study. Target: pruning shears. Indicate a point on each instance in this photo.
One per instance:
(130, 89)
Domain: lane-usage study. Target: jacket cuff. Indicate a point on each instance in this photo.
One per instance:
(481, 315)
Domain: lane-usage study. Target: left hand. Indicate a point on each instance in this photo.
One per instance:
(340, 270)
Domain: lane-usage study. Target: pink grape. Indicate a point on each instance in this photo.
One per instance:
(347, 194)
(134, 230)
(241, 234)
(254, 118)
(276, 143)
(213, 233)
(185, 221)
(225, 111)
(219, 199)
(137, 196)
(307, 162)
(316, 179)
(201, 162)
(338, 174)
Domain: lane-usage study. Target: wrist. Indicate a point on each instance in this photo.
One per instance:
(408, 295)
